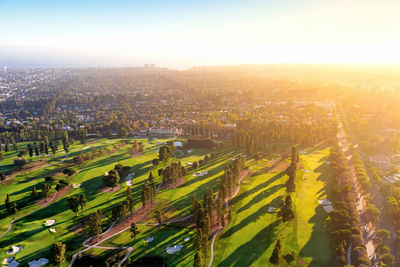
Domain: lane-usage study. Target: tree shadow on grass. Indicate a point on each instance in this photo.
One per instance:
(318, 246)
(247, 193)
(261, 196)
(248, 253)
(253, 217)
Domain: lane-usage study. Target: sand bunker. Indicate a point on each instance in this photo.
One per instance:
(186, 239)
(14, 250)
(38, 263)
(177, 143)
(307, 170)
(85, 147)
(150, 239)
(302, 152)
(106, 173)
(53, 230)
(7, 261)
(174, 249)
(129, 178)
(190, 151)
(324, 201)
(196, 174)
(14, 263)
(327, 162)
(49, 222)
(189, 163)
(271, 209)
(328, 208)
(76, 185)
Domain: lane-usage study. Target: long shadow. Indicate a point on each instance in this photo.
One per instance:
(247, 193)
(261, 196)
(248, 253)
(253, 217)
(317, 246)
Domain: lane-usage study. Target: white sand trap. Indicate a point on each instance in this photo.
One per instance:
(129, 178)
(189, 163)
(244, 155)
(307, 171)
(174, 249)
(53, 230)
(76, 185)
(14, 250)
(302, 152)
(190, 151)
(38, 263)
(271, 209)
(328, 208)
(14, 263)
(186, 239)
(49, 222)
(157, 150)
(86, 147)
(197, 174)
(177, 143)
(324, 201)
(106, 173)
(8, 260)
(327, 162)
(205, 172)
(150, 239)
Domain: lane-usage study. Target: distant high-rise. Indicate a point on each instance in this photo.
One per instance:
(5, 68)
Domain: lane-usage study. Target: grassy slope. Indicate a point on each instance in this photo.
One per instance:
(250, 237)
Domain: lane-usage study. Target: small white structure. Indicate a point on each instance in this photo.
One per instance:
(174, 249)
(190, 151)
(49, 222)
(305, 171)
(186, 239)
(53, 230)
(14, 250)
(38, 263)
(150, 239)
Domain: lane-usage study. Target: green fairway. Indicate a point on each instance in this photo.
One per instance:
(251, 235)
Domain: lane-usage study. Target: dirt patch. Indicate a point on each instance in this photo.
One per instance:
(277, 165)
(56, 195)
(174, 185)
(137, 154)
(77, 229)
(32, 166)
(137, 216)
(109, 189)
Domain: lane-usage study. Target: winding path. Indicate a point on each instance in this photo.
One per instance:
(242, 175)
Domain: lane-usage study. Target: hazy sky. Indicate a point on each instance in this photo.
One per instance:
(186, 33)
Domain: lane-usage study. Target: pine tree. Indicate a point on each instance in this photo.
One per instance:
(34, 191)
(134, 231)
(7, 201)
(275, 257)
(197, 260)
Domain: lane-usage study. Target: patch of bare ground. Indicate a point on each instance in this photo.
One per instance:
(277, 165)
(138, 215)
(137, 154)
(174, 185)
(109, 189)
(32, 166)
(56, 195)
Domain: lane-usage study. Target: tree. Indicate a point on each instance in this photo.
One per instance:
(82, 201)
(387, 259)
(155, 162)
(95, 223)
(7, 201)
(58, 253)
(34, 191)
(165, 153)
(1, 156)
(275, 257)
(111, 179)
(129, 199)
(381, 236)
(134, 231)
(46, 190)
(197, 260)
(2, 177)
(160, 217)
(373, 212)
(73, 203)
(68, 171)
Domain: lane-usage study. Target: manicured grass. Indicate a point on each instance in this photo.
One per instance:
(252, 233)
